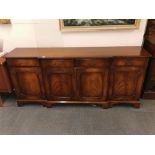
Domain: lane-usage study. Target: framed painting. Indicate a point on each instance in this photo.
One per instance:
(5, 21)
(97, 24)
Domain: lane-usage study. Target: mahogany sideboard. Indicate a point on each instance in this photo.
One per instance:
(89, 75)
(5, 85)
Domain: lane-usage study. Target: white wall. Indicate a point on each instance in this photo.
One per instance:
(46, 33)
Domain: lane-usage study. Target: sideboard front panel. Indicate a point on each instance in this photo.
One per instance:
(28, 82)
(92, 83)
(126, 83)
(59, 83)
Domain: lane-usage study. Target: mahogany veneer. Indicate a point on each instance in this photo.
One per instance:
(105, 76)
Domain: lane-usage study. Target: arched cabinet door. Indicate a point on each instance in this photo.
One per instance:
(92, 83)
(126, 83)
(59, 83)
(28, 82)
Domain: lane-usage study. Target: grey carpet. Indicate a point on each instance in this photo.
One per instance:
(76, 120)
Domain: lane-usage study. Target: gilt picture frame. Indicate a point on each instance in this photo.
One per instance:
(69, 25)
(5, 21)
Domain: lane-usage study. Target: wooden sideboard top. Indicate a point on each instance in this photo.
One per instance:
(77, 52)
(2, 60)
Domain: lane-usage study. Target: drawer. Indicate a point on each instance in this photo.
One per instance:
(92, 62)
(23, 62)
(129, 61)
(57, 63)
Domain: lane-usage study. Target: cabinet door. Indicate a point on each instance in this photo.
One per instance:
(28, 82)
(92, 83)
(59, 83)
(126, 83)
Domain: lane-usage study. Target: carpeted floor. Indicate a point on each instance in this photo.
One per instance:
(76, 120)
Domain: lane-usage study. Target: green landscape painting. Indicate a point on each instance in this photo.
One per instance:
(98, 24)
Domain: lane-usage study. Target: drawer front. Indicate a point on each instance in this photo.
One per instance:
(92, 62)
(57, 63)
(129, 61)
(23, 62)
